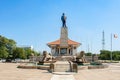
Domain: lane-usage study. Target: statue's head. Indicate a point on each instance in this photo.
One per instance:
(63, 14)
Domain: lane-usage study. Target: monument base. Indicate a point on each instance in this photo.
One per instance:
(63, 66)
(65, 58)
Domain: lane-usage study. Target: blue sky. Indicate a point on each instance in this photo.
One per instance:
(37, 22)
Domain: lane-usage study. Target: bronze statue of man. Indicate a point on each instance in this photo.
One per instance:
(63, 18)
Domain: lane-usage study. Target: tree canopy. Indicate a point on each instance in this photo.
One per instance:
(9, 50)
(6, 47)
(106, 55)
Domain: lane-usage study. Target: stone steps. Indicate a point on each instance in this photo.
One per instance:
(62, 66)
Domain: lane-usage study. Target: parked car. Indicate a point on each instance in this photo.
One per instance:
(2, 60)
(8, 60)
(17, 60)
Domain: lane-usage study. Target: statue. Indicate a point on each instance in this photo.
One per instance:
(81, 57)
(46, 56)
(63, 18)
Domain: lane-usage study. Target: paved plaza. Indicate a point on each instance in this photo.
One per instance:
(9, 71)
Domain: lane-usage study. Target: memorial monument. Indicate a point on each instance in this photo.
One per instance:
(64, 46)
(63, 56)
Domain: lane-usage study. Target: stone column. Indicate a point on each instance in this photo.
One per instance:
(67, 51)
(59, 50)
(53, 50)
(64, 37)
(72, 50)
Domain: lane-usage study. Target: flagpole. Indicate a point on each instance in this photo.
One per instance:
(111, 48)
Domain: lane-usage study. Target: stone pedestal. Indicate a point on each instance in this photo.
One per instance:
(64, 37)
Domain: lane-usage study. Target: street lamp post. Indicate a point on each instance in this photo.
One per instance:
(111, 48)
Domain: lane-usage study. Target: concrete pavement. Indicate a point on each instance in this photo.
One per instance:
(9, 71)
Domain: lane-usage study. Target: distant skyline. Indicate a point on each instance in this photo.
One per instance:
(37, 22)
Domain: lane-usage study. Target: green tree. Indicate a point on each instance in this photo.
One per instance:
(88, 54)
(28, 52)
(116, 55)
(39, 53)
(19, 53)
(3, 52)
(6, 46)
(9, 50)
(105, 55)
